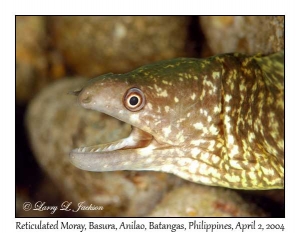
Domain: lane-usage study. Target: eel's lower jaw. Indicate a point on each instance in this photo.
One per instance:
(131, 153)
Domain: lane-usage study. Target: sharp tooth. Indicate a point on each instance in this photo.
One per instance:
(98, 150)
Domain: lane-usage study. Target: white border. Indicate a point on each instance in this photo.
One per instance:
(198, 7)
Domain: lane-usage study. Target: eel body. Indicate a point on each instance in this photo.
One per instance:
(216, 121)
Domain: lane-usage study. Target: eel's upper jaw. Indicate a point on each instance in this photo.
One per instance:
(117, 155)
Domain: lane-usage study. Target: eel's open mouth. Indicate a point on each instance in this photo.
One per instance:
(131, 153)
(136, 139)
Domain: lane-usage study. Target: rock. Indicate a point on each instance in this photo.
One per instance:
(31, 62)
(37, 63)
(246, 34)
(92, 45)
(57, 124)
(191, 200)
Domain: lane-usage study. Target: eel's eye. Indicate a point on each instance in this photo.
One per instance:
(134, 99)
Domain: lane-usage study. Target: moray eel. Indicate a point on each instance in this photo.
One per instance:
(217, 121)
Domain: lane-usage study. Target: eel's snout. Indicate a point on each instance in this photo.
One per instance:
(85, 98)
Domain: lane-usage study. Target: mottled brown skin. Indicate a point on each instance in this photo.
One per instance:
(216, 121)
